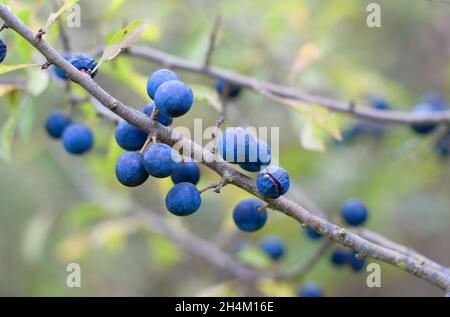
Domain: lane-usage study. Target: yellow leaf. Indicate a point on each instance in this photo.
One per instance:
(6, 88)
(9, 68)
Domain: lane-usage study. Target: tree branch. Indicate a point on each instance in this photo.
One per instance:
(437, 276)
(267, 88)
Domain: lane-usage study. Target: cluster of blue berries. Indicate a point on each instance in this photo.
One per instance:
(171, 98)
(3, 50)
(77, 138)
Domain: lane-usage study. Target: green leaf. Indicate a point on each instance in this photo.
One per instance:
(53, 16)
(208, 96)
(26, 122)
(254, 257)
(122, 39)
(9, 68)
(312, 137)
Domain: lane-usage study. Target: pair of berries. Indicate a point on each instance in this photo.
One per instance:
(76, 137)
(82, 62)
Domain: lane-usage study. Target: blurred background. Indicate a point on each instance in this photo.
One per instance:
(57, 209)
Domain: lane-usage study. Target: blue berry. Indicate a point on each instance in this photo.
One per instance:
(434, 98)
(227, 89)
(425, 128)
(250, 166)
(354, 212)
(355, 263)
(58, 71)
(158, 78)
(312, 234)
(273, 246)
(129, 137)
(379, 104)
(57, 121)
(263, 158)
(183, 199)
(186, 172)
(339, 257)
(159, 160)
(84, 63)
(236, 145)
(310, 290)
(77, 138)
(249, 215)
(272, 182)
(130, 169)
(3, 50)
(164, 120)
(173, 98)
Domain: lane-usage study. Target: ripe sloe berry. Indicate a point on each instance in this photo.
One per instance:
(227, 89)
(339, 257)
(249, 215)
(272, 182)
(273, 246)
(355, 263)
(354, 212)
(186, 172)
(164, 120)
(77, 138)
(173, 98)
(57, 121)
(183, 199)
(130, 169)
(310, 290)
(159, 160)
(58, 71)
(84, 63)
(3, 50)
(129, 137)
(425, 128)
(264, 156)
(312, 234)
(236, 145)
(157, 79)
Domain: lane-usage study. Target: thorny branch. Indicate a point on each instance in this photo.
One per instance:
(437, 275)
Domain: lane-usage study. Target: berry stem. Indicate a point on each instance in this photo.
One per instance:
(150, 139)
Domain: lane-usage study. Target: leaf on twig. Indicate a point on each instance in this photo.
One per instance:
(208, 96)
(53, 16)
(9, 68)
(122, 39)
(7, 133)
(306, 55)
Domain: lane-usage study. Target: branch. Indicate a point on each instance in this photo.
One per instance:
(212, 41)
(267, 89)
(436, 276)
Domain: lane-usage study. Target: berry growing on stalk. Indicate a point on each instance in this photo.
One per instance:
(77, 138)
(423, 108)
(312, 234)
(310, 290)
(354, 212)
(158, 78)
(173, 98)
(263, 158)
(57, 121)
(250, 215)
(236, 145)
(3, 50)
(186, 172)
(183, 199)
(227, 89)
(355, 263)
(159, 160)
(129, 137)
(339, 257)
(164, 120)
(272, 182)
(273, 246)
(130, 169)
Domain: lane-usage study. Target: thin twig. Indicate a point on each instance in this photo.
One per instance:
(212, 41)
